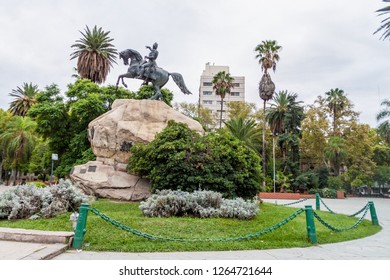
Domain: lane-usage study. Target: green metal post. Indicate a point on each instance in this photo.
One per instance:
(81, 227)
(318, 206)
(310, 225)
(374, 217)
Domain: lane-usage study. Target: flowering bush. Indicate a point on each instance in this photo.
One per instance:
(203, 204)
(28, 200)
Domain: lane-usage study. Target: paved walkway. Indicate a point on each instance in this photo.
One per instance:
(376, 247)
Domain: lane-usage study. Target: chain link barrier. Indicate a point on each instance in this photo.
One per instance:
(326, 206)
(365, 209)
(238, 238)
(295, 202)
(353, 215)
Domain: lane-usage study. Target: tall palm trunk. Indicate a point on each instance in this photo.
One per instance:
(263, 151)
(334, 122)
(220, 118)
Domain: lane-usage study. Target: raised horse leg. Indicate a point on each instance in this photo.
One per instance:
(120, 77)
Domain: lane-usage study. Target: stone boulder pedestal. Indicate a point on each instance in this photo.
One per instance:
(112, 135)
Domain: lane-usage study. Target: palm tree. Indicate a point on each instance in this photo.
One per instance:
(95, 54)
(245, 130)
(336, 100)
(335, 153)
(267, 53)
(18, 141)
(222, 84)
(276, 114)
(5, 117)
(384, 115)
(24, 99)
(385, 24)
(284, 117)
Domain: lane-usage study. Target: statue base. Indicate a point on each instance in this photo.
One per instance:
(101, 180)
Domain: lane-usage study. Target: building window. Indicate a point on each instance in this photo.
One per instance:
(207, 84)
(236, 84)
(207, 93)
(207, 102)
(234, 93)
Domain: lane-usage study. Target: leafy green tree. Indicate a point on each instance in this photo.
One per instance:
(385, 23)
(222, 84)
(360, 141)
(5, 117)
(95, 54)
(382, 175)
(314, 137)
(335, 152)
(64, 122)
(199, 113)
(24, 98)
(40, 162)
(18, 141)
(381, 154)
(246, 130)
(284, 181)
(384, 117)
(335, 183)
(147, 91)
(179, 158)
(51, 114)
(240, 109)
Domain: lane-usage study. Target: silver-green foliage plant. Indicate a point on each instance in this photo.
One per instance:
(203, 204)
(28, 200)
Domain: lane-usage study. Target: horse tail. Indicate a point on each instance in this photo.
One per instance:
(178, 79)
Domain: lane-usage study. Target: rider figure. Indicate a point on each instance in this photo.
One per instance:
(151, 64)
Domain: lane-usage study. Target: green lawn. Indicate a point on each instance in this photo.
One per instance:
(103, 236)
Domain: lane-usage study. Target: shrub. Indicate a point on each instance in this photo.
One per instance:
(181, 159)
(37, 184)
(203, 204)
(28, 200)
(324, 193)
(335, 183)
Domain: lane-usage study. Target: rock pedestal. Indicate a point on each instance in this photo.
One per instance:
(112, 135)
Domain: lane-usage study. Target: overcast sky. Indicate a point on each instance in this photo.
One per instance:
(326, 43)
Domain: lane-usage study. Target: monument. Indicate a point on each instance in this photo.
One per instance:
(128, 122)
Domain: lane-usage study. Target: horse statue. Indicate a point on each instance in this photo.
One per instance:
(158, 77)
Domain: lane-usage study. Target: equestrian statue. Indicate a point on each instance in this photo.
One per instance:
(148, 71)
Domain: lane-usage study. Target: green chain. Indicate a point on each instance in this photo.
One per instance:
(326, 206)
(342, 229)
(295, 202)
(353, 215)
(238, 238)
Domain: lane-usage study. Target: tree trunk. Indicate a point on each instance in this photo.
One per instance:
(220, 118)
(1, 171)
(263, 151)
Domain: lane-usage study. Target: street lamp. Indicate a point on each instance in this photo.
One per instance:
(53, 158)
(273, 156)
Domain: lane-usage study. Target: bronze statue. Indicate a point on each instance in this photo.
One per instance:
(151, 64)
(154, 74)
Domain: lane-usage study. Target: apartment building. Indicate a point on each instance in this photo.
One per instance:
(207, 96)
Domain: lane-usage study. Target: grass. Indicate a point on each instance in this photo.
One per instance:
(102, 236)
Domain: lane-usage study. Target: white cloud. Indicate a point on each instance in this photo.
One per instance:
(326, 44)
